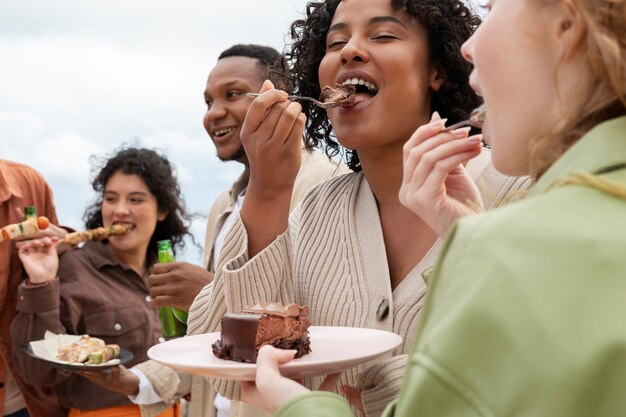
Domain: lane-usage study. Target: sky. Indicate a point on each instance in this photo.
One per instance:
(84, 77)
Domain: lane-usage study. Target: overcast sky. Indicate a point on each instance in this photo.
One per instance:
(82, 77)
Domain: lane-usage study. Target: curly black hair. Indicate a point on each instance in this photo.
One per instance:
(158, 174)
(448, 24)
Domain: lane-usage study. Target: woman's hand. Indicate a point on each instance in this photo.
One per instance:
(435, 185)
(119, 379)
(271, 390)
(40, 259)
(272, 137)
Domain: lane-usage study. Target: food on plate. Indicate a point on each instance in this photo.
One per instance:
(25, 228)
(88, 350)
(98, 233)
(284, 327)
(342, 95)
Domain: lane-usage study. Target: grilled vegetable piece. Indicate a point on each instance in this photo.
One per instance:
(88, 350)
(25, 228)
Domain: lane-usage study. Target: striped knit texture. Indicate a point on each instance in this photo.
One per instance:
(337, 270)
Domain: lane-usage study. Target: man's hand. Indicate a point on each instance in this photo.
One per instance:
(177, 284)
(119, 380)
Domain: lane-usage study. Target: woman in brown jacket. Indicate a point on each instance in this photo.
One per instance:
(100, 289)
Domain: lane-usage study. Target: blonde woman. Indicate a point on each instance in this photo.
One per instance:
(525, 311)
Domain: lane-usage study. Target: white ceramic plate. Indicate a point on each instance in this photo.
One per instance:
(334, 349)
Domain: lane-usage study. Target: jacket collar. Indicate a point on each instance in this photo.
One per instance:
(602, 147)
(103, 256)
(8, 187)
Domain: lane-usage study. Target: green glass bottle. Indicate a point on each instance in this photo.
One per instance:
(173, 320)
(30, 212)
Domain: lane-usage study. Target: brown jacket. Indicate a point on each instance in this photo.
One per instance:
(94, 295)
(20, 186)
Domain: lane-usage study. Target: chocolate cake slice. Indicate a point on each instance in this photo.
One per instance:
(342, 95)
(243, 334)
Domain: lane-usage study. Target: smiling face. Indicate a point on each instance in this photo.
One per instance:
(227, 103)
(385, 53)
(517, 55)
(127, 199)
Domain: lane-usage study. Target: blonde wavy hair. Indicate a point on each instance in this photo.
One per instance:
(604, 97)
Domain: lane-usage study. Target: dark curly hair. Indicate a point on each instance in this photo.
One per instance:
(448, 24)
(159, 176)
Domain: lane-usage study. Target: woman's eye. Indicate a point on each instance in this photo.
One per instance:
(208, 103)
(136, 200)
(335, 44)
(384, 37)
(233, 94)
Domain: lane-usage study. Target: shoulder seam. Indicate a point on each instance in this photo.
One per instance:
(453, 383)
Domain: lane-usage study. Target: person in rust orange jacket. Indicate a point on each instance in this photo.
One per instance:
(20, 186)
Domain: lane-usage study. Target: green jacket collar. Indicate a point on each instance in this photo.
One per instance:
(601, 147)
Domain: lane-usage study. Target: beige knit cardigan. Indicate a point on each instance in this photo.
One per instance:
(332, 258)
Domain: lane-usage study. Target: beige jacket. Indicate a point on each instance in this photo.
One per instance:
(333, 259)
(171, 385)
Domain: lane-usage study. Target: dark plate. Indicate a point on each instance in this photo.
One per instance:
(125, 356)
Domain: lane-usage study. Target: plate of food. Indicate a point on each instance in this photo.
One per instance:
(230, 354)
(76, 353)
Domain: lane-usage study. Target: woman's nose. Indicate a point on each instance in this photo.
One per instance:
(121, 208)
(467, 49)
(354, 50)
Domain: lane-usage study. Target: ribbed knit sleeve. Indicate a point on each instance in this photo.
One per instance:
(380, 384)
(266, 277)
(240, 281)
(200, 309)
(167, 383)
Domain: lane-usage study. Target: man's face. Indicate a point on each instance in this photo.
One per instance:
(227, 104)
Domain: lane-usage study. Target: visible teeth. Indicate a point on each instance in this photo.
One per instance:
(222, 132)
(360, 81)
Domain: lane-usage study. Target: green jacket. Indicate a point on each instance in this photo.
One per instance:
(526, 310)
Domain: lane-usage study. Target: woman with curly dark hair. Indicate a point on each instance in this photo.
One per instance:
(157, 172)
(445, 23)
(352, 252)
(100, 289)
(524, 315)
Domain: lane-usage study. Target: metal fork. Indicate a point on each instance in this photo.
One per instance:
(475, 119)
(311, 99)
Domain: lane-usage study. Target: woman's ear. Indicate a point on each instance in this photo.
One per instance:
(571, 28)
(436, 78)
(162, 215)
